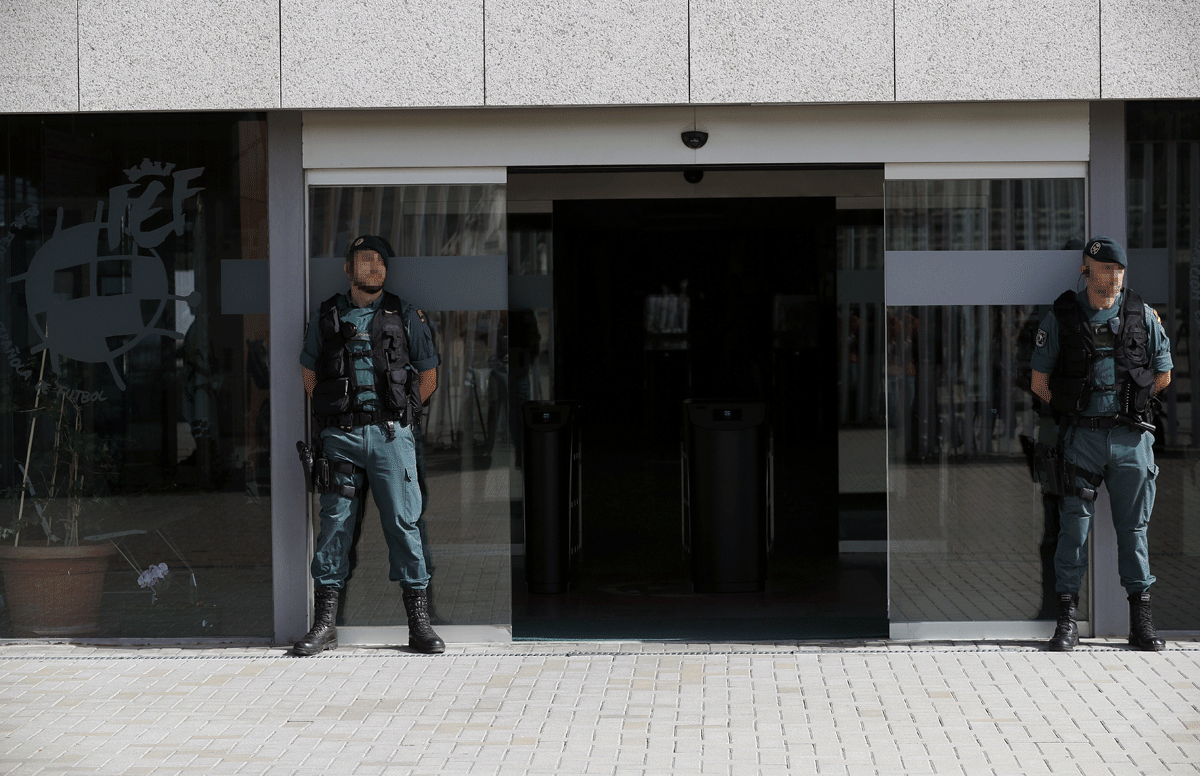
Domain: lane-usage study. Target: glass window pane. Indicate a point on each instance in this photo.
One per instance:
(418, 220)
(983, 215)
(136, 389)
(1163, 216)
(465, 435)
(970, 538)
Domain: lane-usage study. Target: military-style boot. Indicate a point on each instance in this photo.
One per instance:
(324, 632)
(421, 635)
(1066, 635)
(1141, 624)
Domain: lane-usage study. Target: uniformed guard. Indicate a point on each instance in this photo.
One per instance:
(1100, 358)
(368, 363)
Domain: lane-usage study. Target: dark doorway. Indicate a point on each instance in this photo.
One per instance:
(658, 301)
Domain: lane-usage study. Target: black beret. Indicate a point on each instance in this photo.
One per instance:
(1106, 250)
(369, 242)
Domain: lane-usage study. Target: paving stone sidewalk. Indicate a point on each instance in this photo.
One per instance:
(603, 708)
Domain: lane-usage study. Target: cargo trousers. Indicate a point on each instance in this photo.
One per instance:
(389, 466)
(1125, 458)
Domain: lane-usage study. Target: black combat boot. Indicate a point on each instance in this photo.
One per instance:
(324, 632)
(1141, 624)
(1066, 635)
(421, 635)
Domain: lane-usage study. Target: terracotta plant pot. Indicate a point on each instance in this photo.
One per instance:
(55, 591)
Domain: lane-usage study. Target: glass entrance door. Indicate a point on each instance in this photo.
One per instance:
(448, 233)
(968, 261)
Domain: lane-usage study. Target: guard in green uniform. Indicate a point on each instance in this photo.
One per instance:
(1100, 357)
(368, 364)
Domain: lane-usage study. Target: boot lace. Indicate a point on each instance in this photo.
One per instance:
(1143, 621)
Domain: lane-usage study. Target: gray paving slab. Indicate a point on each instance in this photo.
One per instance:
(608, 708)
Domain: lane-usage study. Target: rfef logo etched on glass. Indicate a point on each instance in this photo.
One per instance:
(91, 306)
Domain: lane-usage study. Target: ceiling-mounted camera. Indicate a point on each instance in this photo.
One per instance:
(694, 139)
(692, 175)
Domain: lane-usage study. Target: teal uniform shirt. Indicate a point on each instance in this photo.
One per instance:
(421, 352)
(1103, 402)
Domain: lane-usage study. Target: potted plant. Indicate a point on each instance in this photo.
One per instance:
(53, 583)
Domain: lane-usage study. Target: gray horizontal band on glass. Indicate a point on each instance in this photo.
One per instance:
(1147, 273)
(1005, 277)
(863, 286)
(429, 282)
(245, 287)
(530, 292)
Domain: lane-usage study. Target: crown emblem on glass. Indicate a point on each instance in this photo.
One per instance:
(149, 168)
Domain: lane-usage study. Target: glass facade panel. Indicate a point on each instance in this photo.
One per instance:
(1163, 199)
(465, 431)
(984, 215)
(966, 524)
(969, 539)
(135, 384)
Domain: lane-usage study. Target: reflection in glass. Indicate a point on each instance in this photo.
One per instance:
(465, 442)
(135, 406)
(967, 524)
(966, 519)
(418, 220)
(984, 215)
(1163, 220)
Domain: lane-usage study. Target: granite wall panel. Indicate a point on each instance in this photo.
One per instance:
(178, 55)
(39, 57)
(587, 52)
(382, 53)
(1151, 49)
(997, 50)
(770, 51)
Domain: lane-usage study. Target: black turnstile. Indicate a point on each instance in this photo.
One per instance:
(553, 508)
(728, 494)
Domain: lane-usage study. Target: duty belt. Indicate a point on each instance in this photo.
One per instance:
(1095, 423)
(348, 420)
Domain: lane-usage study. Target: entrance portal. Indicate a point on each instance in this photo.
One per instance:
(659, 301)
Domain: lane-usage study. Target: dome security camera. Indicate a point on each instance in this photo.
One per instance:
(694, 139)
(693, 175)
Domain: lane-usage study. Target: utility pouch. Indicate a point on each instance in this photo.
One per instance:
(1069, 396)
(1137, 392)
(1050, 462)
(331, 397)
(1069, 472)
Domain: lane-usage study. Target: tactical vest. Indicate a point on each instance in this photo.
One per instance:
(337, 397)
(1071, 382)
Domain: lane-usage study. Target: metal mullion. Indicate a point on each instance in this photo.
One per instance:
(1193, 306)
(844, 362)
(1172, 238)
